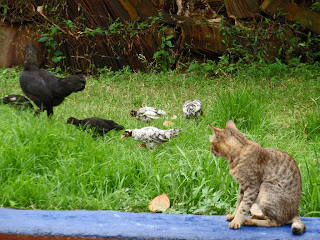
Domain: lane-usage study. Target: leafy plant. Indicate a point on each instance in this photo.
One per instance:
(268, 40)
(163, 57)
(315, 6)
(208, 66)
(210, 203)
(52, 44)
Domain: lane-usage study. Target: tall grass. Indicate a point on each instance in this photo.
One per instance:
(48, 164)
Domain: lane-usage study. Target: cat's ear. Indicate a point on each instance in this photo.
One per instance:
(231, 125)
(215, 129)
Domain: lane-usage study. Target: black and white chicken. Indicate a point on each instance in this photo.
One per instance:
(42, 87)
(192, 109)
(145, 114)
(151, 136)
(99, 125)
(18, 101)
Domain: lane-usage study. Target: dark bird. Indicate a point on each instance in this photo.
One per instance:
(18, 101)
(99, 125)
(42, 87)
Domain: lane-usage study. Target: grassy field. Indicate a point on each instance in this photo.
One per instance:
(52, 165)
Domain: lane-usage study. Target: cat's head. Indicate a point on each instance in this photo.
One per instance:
(226, 141)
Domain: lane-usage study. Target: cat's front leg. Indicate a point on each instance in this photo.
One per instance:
(249, 197)
(230, 217)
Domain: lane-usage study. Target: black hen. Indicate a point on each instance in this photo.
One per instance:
(18, 101)
(101, 126)
(42, 87)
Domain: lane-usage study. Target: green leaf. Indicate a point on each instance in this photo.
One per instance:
(43, 39)
(164, 66)
(57, 53)
(52, 44)
(169, 37)
(55, 59)
(54, 30)
(164, 53)
(157, 54)
(169, 44)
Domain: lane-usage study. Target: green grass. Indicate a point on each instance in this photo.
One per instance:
(48, 164)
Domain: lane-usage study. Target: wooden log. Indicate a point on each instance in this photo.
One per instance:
(241, 8)
(309, 18)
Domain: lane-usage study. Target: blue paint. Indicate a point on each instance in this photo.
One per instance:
(111, 224)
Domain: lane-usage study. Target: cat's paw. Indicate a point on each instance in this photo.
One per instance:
(234, 225)
(229, 217)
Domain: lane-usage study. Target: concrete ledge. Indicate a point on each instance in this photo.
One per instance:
(98, 225)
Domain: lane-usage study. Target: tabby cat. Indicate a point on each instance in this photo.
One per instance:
(267, 176)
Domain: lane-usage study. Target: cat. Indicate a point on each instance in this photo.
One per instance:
(267, 176)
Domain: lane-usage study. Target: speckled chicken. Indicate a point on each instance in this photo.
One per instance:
(17, 101)
(151, 136)
(192, 109)
(100, 125)
(145, 114)
(42, 87)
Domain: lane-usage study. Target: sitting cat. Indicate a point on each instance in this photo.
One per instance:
(267, 176)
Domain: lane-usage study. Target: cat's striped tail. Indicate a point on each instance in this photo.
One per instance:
(297, 226)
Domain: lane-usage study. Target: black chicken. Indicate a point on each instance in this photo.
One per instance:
(18, 101)
(101, 126)
(42, 87)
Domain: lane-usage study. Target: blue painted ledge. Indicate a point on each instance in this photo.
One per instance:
(82, 224)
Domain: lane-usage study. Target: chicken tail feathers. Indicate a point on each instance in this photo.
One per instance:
(74, 83)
